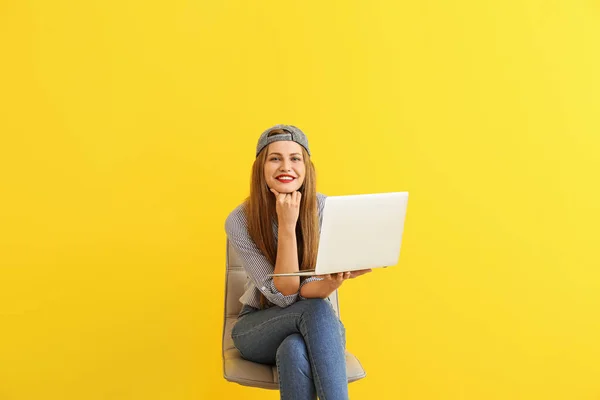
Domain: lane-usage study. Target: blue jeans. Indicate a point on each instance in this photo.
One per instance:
(306, 341)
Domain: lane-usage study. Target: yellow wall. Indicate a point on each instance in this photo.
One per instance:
(127, 135)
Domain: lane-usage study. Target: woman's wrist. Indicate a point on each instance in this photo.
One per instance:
(286, 228)
(317, 289)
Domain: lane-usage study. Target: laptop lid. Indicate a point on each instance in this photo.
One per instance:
(361, 231)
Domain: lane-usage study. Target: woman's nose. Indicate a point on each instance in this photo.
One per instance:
(285, 166)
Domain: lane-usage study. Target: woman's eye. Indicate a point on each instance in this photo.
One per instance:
(296, 159)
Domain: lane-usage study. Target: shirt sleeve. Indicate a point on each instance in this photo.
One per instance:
(255, 263)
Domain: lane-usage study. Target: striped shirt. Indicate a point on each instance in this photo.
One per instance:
(256, 265)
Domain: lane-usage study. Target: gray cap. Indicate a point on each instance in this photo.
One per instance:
(292, 134)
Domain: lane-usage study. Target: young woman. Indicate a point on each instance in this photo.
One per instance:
(286, 320)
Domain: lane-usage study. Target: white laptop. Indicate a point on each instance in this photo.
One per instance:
(359, 232)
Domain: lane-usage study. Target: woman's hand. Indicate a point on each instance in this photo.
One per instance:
(335, 280)
(356, 274)
(330, 282)
(287, 207)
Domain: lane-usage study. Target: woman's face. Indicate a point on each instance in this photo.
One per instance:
(284, 167)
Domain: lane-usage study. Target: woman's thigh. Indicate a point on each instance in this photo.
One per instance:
(258, 335)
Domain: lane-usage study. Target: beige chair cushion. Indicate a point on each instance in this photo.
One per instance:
(235, 368)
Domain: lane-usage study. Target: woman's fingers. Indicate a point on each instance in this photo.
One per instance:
(288, 198)
(342, 276)
(360, 272)
(293, 198)
(280, 197)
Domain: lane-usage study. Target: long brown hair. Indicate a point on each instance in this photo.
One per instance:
(261, 214)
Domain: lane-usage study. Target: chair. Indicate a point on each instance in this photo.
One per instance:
(247, 373)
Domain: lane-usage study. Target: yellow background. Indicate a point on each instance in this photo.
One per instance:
(127, 135)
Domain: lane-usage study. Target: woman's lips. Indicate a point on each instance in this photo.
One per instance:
(285, 179)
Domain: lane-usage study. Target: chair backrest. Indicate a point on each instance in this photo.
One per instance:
(235, 280)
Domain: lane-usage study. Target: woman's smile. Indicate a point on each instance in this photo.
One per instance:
(285, 178)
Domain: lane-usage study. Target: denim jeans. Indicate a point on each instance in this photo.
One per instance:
(306, 341)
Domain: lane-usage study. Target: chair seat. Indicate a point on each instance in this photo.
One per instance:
(248, 373)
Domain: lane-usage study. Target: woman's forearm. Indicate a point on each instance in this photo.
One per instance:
(287, 261)
(316, 289)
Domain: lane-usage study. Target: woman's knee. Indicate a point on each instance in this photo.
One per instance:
(293, 348)
(319, 315)
(319, 308)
